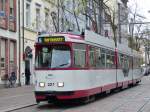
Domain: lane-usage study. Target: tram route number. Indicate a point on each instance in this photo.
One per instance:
(51, 84)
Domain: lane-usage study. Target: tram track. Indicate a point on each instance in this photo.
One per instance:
(20, 108)
(40, 108)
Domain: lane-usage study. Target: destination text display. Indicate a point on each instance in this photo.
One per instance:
(51, 39)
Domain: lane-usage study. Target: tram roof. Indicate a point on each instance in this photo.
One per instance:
(92, 38)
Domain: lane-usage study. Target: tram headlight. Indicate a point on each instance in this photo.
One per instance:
(42, 84)
(60, 84)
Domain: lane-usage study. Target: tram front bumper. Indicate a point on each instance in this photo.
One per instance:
(47, 95)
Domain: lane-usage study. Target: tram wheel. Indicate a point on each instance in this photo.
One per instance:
(37, 101)
(88, 99)
(85, 100)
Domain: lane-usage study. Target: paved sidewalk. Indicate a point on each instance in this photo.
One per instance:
(14, 98)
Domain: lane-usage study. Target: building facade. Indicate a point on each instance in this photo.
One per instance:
(46, 16)
(119, 11)
(8, 38)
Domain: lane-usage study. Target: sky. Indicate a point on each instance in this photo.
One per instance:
(143, 7)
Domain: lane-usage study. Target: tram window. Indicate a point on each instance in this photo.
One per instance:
(92, 57)
(126, 62)
(110, 60)
(103, 50)
(79, 55)
(98, 57)
(134, 62)
(103, 60)
(121, 60)
(130, 62)
(53, 57)
(107, 61)
(113, 61)
(139, 62)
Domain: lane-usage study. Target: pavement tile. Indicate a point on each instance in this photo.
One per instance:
(13, 98)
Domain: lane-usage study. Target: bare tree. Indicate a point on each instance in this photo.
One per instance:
(75, 15)
(92, 9)
(136, 30)
(112, 20)
(146, 42)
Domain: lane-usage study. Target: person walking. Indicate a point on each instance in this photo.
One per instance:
(27, 75)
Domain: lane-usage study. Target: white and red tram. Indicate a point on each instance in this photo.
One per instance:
(69, 66)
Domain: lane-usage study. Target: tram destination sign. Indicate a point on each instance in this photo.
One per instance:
(51, 39)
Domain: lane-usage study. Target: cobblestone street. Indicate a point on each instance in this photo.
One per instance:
(136, 99)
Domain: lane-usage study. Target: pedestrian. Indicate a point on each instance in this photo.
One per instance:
(12, 79)
(27, 75)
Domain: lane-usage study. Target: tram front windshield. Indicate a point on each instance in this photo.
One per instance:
(56, 56)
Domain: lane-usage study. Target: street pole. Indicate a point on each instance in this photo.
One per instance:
(119, 22)
(86, 17)
(58, 16)
(23, 26)
(19, 34)
(145, 55)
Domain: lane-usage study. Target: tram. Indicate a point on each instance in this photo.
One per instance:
(72, 66)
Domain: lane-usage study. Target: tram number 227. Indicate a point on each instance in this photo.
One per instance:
(51, 84)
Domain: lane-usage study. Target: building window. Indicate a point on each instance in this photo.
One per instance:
(28, 14)
(12, 56)
(11, 7)
(37, 18)
(3, 53)
(47, 19)
(2, 5)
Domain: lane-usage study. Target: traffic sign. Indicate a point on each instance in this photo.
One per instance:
(2, 14)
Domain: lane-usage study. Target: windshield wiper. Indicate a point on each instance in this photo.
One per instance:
(61, 65)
